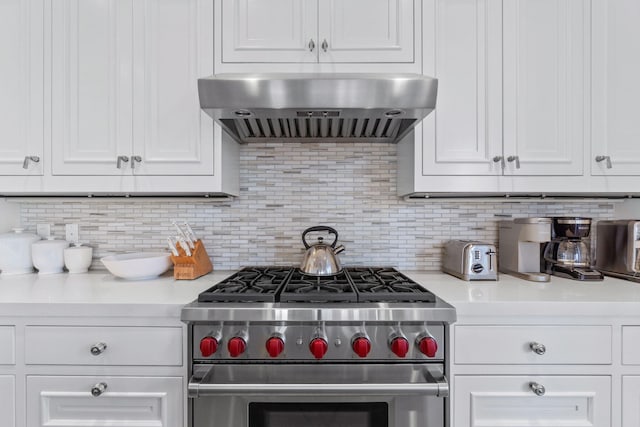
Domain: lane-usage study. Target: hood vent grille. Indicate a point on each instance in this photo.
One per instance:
(310, 129)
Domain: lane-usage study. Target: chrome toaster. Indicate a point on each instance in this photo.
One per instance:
(470, 260)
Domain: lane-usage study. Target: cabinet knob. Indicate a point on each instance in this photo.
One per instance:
(29, 159)
(516, 159)
(538, 348)
(312, 45)
(605, 158)
(324, 45)
(134, 160)
(500, 159)
(538, 389)
(121, 160)
(98, 348)
(98, 389)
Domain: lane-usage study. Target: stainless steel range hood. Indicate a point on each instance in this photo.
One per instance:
(318, 107)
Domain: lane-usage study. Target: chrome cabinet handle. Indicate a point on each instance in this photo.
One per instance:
(324, 45)
(538, 348)
(121, 160)
(98, 349)
(28, 159)
(517, 160)
(134, 160)
(312, 45)
(98, 389)
(603, 158)
(538, 389)
(500, 159)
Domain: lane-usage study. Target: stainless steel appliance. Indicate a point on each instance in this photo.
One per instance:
(568, 254)
(335, 107)
(272, 346)
(470, 260)
(618, 248)
(321, 259)
(519, 247)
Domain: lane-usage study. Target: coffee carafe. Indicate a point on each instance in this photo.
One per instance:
(568, 254)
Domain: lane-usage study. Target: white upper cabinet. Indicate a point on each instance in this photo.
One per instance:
(334, 31)
(124, 92)
(22, 77)
(615, 148)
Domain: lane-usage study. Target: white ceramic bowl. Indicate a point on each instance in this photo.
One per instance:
(78, 258)
(137, 266)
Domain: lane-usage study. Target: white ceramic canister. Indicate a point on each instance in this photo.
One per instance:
(48, 255)
(78, 258)
(15, 252)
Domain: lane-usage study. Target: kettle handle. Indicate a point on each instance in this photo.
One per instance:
(319, 228)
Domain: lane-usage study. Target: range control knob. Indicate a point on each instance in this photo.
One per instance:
(208, 346)
(400, 346)
(236, 346)
(477, 268)
(428, 346)
(361, 346)
(275, 346)
(318, 347)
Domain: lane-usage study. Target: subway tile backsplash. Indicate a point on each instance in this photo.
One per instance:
(287, 187)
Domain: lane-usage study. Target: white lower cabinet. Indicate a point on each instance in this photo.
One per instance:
(83, 401)
(7, 401)
(492, 401)
(630, 401)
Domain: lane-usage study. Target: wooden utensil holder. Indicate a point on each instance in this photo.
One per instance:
(191, 267)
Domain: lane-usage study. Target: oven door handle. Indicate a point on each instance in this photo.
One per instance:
(438, 388)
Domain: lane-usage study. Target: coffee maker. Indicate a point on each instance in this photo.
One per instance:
(519, 251)
(568, 254)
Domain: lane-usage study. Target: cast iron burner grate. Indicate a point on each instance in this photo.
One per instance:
(308, 288)
(251, 284)
(385, 284)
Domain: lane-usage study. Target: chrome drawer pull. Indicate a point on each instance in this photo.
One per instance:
(538, 348)
(98, 349)
(122, 159)
(538, 389)
(98, 389)
(606, 159)
(28, 159)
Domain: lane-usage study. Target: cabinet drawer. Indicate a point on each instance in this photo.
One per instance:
(71, 345)
(8, 401)
(631, 345)
(123, 401)
(513, 344)
(7, 345)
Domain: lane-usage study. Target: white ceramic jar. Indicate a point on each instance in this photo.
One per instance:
(48, 255)
(15, 252)
(78, 258)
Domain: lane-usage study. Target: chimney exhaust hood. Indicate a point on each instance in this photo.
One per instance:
(311, 107)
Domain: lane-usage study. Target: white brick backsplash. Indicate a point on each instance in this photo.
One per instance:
(287, 187)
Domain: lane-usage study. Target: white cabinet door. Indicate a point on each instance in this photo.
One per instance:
(630, 401)
(366, 31)
(173, 47)
(7, 401)
(615, 87)
(91, 86)
(509, 400)
(126, 401)
(545, 86)
(463, 49)
(22, 90)
(270, 31)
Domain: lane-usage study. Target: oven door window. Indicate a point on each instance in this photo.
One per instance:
(370, 414)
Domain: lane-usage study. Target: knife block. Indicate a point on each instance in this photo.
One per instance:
(191, 267)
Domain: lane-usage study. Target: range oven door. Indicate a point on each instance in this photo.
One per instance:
(317, 395)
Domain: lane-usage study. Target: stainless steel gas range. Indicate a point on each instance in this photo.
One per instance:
(274, 347)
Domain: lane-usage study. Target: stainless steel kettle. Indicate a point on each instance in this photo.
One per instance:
(320, 258)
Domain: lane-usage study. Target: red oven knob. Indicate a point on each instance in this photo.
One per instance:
(400, 346)
(275, 346)
(208, 346)
(236, 346)
(318, 347)
(361, 346)
(428, 346)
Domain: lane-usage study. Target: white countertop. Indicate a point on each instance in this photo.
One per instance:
(105, 295)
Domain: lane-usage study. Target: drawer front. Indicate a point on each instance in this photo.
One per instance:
(7, 345)
(71, 345)
(513, 344)
(631, 345)
(8, 401)
(121, 401)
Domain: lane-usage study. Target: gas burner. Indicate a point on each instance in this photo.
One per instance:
(251, 284)
(308, 288)
(386, 284)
